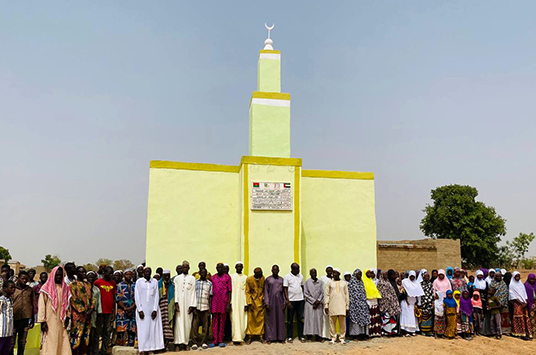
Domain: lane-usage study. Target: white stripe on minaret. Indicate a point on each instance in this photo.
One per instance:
(270, 102)
(270, 56)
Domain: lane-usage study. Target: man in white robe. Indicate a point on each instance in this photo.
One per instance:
(185, 303)
(148, 319)
(326, 280)
(238, 304)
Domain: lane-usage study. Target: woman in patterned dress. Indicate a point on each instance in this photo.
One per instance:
(81, 309)
(501, 291)
(530, 287)
(426, 321)
(359, 312)
(373, 296)
(521, 325)
(389, 305)
(126, 311)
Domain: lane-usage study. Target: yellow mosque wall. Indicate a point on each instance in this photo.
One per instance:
(338, 220)
(193, 214)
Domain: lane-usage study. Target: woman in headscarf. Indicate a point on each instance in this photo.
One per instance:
(521, 325)
(450, 272)
(82, 306)
(458, 282)
(414, 292)
(359, 312)
(530, 287)
(389, 305)
(465, 316)
(373, 295)
(480, 286)
(434, 276)
(451, 310)
(491, 276)
(442, 283)
(426, 321)
(501, 292)
(374, 275)
(54, 314)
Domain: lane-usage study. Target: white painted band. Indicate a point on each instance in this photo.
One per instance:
(270, 102)
(270, 56)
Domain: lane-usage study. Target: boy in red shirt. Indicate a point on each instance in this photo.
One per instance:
(108, 289)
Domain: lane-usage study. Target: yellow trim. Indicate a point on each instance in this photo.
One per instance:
(269, 51)
(332, 174)
(270, 95)
(271, 161)
(246, 217)
(297, 224)
(163, 164)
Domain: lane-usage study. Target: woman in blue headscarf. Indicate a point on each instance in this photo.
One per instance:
(451, 311)
(450, 272)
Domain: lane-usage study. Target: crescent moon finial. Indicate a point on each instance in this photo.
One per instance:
(269, 28)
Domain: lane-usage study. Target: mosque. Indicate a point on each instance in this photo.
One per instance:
(266, 210)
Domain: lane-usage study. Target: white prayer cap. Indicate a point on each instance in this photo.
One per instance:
(337, 269)
(329, 266)
(166, 272)
(226, 265)
(239, 262)
(91, 272)
(137, 267)
(347, 273)
(117, 272)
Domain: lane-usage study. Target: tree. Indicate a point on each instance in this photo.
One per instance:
(50, 262)
(504, 257)
(104, 261)
(455, 214)
(90, 267)
(520, 246)
(123, 264)
(4, 254)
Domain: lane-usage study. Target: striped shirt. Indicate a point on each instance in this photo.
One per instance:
(6, 317)
(203, 291)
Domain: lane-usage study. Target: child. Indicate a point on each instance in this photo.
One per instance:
(451, 310)
(6, 317)
(494, 307)
(477, 312)
(465, 316)
(439, 319)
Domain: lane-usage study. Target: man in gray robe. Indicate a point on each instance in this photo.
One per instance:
(314, 314)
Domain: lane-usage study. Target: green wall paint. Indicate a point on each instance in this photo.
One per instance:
(269, 75)
(269, 131)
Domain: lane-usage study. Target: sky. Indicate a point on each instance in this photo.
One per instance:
(422, 93)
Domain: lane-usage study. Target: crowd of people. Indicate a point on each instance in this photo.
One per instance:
(87, 312)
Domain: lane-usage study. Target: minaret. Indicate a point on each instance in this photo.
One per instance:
(269, 109)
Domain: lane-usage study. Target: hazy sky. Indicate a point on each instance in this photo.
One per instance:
(422, 93)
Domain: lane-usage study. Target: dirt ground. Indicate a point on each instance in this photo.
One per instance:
(391, 346)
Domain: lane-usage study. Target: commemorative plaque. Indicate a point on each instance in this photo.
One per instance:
(271, 196)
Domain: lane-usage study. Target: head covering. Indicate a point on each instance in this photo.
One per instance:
(465, 305)
(370, 287)
(50, 289)
(450, 268)
(137, 267)
(517, 290)
(375, 278)
(503, 271)
(489, 278)
(485, 271)
(389, 302)
(239, 262)
(438, 304)
(166, 272)
(479, 284)
(117, 272)
(421, 273)
(91, 272)
(476, 303)
(337, 269)
(450, 301)
(531, 289)
(359, 312)
(413, 288)
(507, 278)
(454, 295)
(442, 285)
(329, 266)
(347, 273)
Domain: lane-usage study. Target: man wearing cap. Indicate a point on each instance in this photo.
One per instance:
(166, 292)
(185, 302)
(326, 279)
(238, 303)
(337, 304)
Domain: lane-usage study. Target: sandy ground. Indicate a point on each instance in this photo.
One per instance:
(391, 346)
